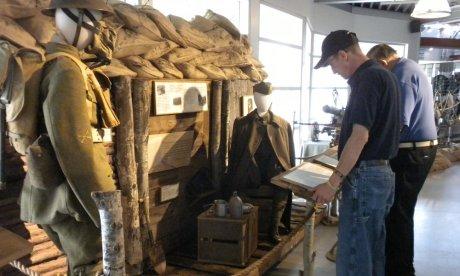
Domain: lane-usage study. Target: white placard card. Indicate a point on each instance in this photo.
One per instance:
(180, 97)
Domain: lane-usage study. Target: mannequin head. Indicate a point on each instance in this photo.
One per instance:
(263, 97)
(68, 28)
(263, 103)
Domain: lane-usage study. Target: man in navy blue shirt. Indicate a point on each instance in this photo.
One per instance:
(369, 138)
(417, 150)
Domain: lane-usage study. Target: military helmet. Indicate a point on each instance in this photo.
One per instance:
(99, 5)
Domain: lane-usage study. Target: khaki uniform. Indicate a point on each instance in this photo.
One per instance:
(262, 143)
(65, 165)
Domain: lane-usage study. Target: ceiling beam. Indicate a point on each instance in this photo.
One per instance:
(365, 1)
(439, 42)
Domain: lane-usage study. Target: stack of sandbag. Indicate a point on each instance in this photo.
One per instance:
(452, 153)
(208, 47)
(440, 162)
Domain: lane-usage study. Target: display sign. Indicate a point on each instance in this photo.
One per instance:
(180, 97)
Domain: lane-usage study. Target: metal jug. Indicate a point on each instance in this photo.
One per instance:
(235, 206)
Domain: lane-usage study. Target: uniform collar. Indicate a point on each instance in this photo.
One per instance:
(271, 118)
(54, 47)
(356, 75)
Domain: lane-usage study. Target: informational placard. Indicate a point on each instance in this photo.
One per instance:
(169, 150)
(326, 161)
(247, 104)
(308, 175)
(169, 192)
(180, 97)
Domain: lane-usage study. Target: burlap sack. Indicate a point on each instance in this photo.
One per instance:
(190, 71)
(137, 21)
(114, 22)
(167, 68)
(231, 59)
(192, 37)
(160, 49)
(16, 9)
(221, 37)
(205, 58)
(213, 72)
(234, 73)
(440, 163)
(180, 55)
(262, 73)
(252, 73)
(255, 62)
(143, 68)
(167, 28)
(15, 34)
(235, 46)
(40, 26)
(202, 24)
(223, 22)
(117, 69)
(130, 43)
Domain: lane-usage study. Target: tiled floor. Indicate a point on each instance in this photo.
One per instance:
(437, 232)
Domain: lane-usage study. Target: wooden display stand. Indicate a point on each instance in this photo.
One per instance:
(226, 240)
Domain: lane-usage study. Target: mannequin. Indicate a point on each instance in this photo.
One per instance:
(262, 147)
(67, 27)
(263, 103)
(67, 161)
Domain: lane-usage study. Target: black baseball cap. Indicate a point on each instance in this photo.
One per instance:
(333, 43)
(263, 88)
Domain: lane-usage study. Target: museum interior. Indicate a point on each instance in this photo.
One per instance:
(230, 137)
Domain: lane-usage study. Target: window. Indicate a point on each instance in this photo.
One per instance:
(281, 51)
(237, 11)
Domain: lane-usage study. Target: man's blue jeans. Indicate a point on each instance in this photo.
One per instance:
(367, 196)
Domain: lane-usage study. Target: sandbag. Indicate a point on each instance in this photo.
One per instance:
(221, 37)
(143, 68)
(440, 163)
(190, 71)
(263, 74)
(17, 9)
(160, 49)
(213, 72)
(116, 69)
(203, 24)
(234, 73)
(205, 58)
(130, 43)
(255, 62)
(40, 26)
(169, 76)
(167, 28)
(167, 68)
(192, 37)
(231, 59)
(252, 73)
(15, 34)
(137, 21)
(180, 55)
(114, 22)
(223, 22)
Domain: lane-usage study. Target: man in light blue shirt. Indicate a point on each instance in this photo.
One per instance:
(417, 150)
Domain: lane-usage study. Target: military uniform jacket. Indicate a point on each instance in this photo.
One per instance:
(69, 112)
(246, 139)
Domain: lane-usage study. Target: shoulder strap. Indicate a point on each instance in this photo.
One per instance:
(79, 63)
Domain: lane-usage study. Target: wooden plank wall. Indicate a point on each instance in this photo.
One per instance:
(173, 221)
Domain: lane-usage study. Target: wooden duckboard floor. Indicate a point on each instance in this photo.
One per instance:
(184, 260)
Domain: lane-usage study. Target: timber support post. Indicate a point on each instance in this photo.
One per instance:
(113, 242)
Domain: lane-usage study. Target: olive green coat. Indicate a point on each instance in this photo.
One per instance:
(68, 114)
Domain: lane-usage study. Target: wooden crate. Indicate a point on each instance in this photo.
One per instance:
(225, 240)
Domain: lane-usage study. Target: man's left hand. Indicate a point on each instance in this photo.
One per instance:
(323, 194)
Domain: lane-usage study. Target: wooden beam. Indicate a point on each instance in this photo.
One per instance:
(439, 42)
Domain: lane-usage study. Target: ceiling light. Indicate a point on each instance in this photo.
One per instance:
(431, 9)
